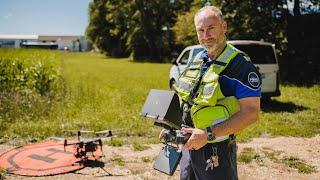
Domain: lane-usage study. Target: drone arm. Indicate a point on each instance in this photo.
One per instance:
(65, 143)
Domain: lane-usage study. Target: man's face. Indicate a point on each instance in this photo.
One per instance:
(210, 30)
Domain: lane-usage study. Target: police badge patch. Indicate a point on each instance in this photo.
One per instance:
(253, 79)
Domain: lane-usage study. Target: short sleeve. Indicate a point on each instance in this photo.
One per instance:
(241, 79)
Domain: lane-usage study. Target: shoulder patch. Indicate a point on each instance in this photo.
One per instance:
(254, 79)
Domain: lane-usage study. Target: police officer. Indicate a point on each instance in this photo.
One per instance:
(220, 107)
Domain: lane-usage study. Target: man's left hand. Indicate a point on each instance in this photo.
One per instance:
(197, 139)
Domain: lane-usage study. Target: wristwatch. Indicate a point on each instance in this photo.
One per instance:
(210, 134)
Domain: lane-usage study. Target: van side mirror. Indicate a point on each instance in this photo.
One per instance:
(174, 62)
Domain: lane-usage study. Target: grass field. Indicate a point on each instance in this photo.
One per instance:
(104, 93)
(295, 113)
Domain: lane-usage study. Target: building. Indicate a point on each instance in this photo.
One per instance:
(70, 43)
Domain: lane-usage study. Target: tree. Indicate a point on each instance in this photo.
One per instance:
(107, 29)
(151, 36)
(137, 27)
(256, 20)
(296, 8)
(247, 19)
(184, 29)
(303, 41)
(305, 7)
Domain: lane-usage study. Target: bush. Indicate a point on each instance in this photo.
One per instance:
(30, 83)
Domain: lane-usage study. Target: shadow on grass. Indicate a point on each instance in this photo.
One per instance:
(276, 106)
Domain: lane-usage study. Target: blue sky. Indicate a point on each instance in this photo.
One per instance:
(44, 17)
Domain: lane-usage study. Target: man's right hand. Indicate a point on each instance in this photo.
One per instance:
(161, 133)
(197, 140)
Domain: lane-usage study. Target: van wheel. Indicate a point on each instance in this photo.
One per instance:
(172, 82)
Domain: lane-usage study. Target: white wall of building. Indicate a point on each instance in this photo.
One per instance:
(72, 43)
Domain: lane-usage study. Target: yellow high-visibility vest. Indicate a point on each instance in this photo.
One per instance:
(210, 105)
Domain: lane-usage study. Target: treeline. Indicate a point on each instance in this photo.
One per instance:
(157, 30)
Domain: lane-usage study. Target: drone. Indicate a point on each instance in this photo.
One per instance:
(59, 156)
(87, 148)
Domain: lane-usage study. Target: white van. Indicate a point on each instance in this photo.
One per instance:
(262, 54)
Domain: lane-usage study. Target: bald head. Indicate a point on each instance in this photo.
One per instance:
(208, 11)
(211, 29)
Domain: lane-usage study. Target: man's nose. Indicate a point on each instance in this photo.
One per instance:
(207, 34)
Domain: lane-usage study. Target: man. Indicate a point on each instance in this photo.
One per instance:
(238, 77)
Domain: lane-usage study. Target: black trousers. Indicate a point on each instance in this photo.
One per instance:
(193, 163)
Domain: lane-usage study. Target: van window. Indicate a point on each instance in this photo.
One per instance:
(185, 57)
(259, 54)
(195, 52)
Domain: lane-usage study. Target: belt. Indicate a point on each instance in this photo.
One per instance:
(230, 140)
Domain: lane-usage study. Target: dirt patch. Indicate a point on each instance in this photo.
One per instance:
(305, 149)
(125, 163)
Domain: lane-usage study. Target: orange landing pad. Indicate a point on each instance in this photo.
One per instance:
(42, 159)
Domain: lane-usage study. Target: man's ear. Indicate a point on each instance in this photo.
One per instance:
(224, 26)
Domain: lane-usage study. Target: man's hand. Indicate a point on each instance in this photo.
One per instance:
(197, 139)
(161, 134)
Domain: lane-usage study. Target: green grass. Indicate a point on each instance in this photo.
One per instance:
(146, 159)
(115, 142)
(104, 93)
(137, 146)
(109, 93)
(2, 173)
(300, 165)
(31, 87)
(247, 155)
(118, 159)
(295, 113)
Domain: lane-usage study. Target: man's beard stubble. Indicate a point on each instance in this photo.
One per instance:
(217, 45)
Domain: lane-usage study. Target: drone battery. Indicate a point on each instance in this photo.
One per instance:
(167, 160)
(164, 107)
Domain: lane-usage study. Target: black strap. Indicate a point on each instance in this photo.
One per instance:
(194, 91)
(219, 63)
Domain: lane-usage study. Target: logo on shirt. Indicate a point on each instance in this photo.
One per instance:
(253, 79)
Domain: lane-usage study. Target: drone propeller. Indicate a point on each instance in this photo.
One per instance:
(57, 138)
(82, 142)
(79, 131)
(104, 135)
(107, 132)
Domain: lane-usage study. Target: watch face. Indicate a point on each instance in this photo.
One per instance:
(211, 138)
(211, 135)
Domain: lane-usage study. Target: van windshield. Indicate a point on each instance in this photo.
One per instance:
(259, 54)
(195, 52)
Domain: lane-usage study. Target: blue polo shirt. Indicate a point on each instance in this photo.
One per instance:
(240, 78)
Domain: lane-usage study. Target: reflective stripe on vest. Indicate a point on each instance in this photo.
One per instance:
(185, 86)
(228, 54)
(218, 66)
(188, 77)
